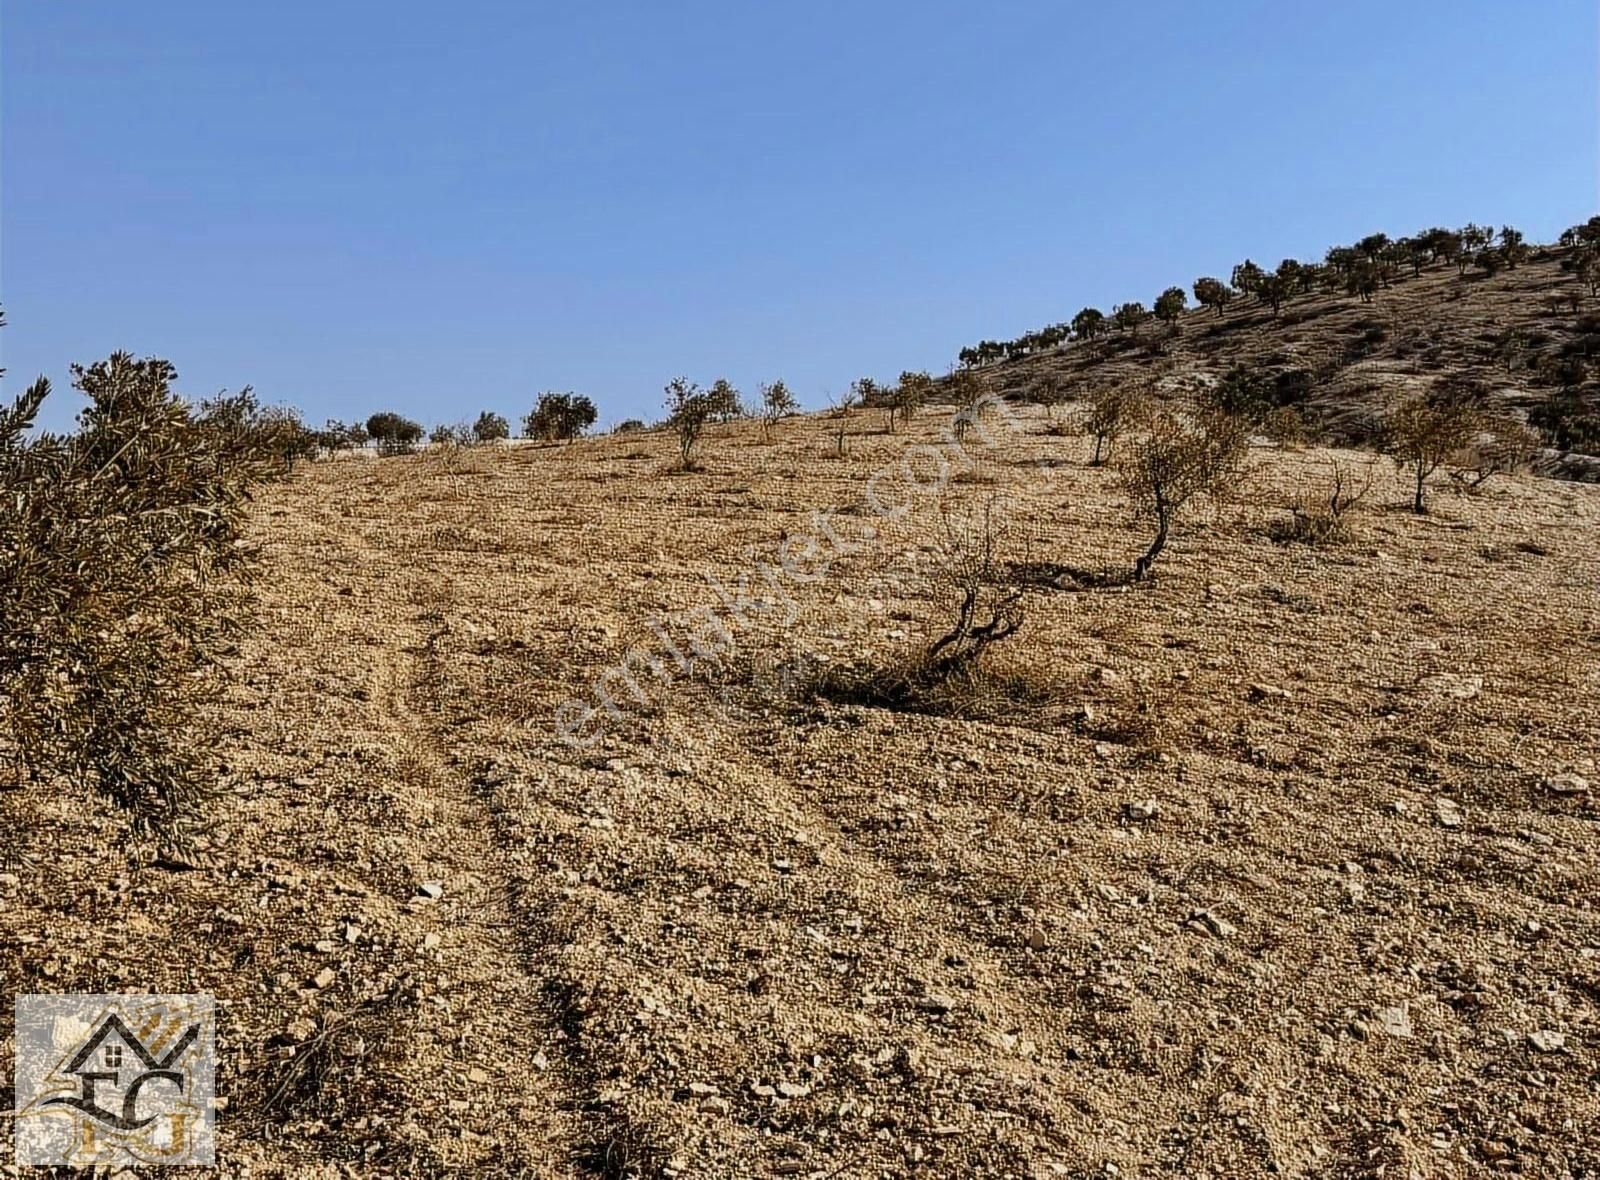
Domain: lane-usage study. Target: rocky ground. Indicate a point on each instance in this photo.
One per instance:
(1282, 864)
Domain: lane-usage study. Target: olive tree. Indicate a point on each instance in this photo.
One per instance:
(1423, 434)
(1170, 305)
(1212, 293)
(777, 403)
(689, 408)
(123, 583)
(394, 434)
(491, 427)
(1181, 455)
(1110, 410)
(1088, 323)
(559, 417)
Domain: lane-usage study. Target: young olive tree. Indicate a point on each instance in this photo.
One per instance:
(689, 408)
(1180, 456)
(1049, 390)
(777, 403)
(491, 427)
(1109, 412)
(986, 603)
(1423, 434)
(839, 411)
(1170, 305)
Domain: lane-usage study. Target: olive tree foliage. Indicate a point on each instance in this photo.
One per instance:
(1088, 323)
(559, 417)
(1247, 277)
(1108, 413)
(777, 403)
(871, 395)
(239, 423)
(911, 392)
(1170, 305)
(491, 427)
(1128, 316)
(1583, 260)
(124, 580)
(726, 401)
(1182, 454)
(394, 434)
(1213, 293)
(689, 409)
(1423, 434)
(336, 436)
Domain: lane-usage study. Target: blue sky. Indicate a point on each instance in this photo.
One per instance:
(441, 208)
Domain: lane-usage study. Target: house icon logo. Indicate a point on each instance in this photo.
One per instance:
(115, 1079)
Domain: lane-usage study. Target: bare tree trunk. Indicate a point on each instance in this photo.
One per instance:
(1416, 503)
(1141, 568)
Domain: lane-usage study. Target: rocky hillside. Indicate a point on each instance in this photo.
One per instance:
(1343, 360)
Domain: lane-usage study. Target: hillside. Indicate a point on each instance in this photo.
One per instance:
(1343, 361)
(1283, 863)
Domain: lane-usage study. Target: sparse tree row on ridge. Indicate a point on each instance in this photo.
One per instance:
(1362, 270)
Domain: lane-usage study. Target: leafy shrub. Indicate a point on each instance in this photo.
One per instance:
(123, 579)
(689, 408)
(1571, 421)
(1244, 392)
(776, 404)
(1286, 428)
(491, 427)
(395, 435)
(451, 434)
(559, 417)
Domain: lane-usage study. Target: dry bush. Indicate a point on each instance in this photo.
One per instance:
(1049, 390)
(1501, 445)
(1110, 412)
(450, 451)
(839, 413)
(1323, 517)
(1286, 428)
(980, 604)
(971, 397)
(123, 580)
(986, 602)
(1184, 454)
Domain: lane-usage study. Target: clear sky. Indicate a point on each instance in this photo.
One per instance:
(445, 207)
